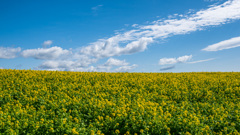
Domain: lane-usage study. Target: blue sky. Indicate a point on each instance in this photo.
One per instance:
(120, 35)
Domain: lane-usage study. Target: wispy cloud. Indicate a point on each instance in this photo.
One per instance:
(47, 43)
(8, 52)
(96, 7)
(226, 44)
(167, 68)
(182, 59)
(192, 62)
(133, 41)
(212, 0)
(138, 39)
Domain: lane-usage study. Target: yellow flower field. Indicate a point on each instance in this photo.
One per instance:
(54, 102)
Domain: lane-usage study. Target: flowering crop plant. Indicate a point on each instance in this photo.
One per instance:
(89, 103)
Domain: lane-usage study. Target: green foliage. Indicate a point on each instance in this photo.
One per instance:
(47, 102)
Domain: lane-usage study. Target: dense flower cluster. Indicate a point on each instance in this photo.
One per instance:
(52, 102)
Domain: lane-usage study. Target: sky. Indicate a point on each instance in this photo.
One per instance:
(120, 35)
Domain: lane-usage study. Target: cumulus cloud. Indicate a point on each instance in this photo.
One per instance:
(108, 66)
(110, 47)
(226, 44)
(165, 61)
(67, 65)
(137, 40)
(95, 69)
(8, 52)
(47, 43)
(182, 59)
(136, 46)
(115, 62)
(126, 68)
(45, 53)
(57, 65)
(1, 68)
(73, 66)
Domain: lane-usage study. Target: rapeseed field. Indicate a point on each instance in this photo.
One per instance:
(88, 103)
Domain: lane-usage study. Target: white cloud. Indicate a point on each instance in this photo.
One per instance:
(57, 65)
(226, 44)
(122, 65)
(72, 66)
(136, 46)
(213, 16)
(110, 47)
(46, 53)
(96, 7)
(9, 53)
(135, 25)
(74, 63)
(78, 62)
(67, 65)
(60, 65)
(165, 61)
(137, 40)
(126, 68)
(115, 62)
(47, 43)
(192, 62)
(182, 59)
(102, 68)
(1, 68)
(212, 0)
(94, 69)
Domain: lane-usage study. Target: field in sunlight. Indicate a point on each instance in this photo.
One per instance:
(51, 102)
